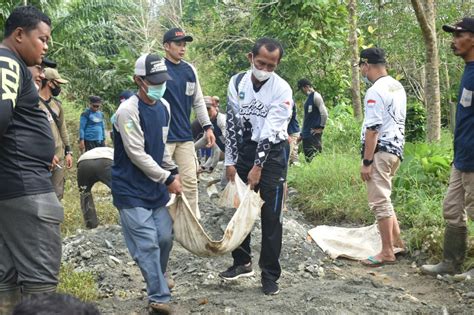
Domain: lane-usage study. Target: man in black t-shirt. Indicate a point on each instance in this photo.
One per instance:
(30, 213)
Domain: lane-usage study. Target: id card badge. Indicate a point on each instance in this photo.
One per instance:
(310, 108)
(466, 98)
(190, 87)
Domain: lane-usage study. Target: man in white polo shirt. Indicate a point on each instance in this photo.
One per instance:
(383, 137)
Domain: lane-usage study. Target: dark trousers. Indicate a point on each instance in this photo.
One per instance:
(271, 189)
(312, 145)
(90, 172)
(93, 144)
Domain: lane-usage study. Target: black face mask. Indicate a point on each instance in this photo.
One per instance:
(56, 90)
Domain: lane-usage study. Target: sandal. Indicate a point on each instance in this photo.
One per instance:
(371, 261)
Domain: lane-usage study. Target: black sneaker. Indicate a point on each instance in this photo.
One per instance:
(236, 272)
(270, 287)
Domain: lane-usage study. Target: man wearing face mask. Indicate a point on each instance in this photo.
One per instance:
(258, 111)
(183, 93)
(50, 89)
(143, 176)
(315, 117)
(383, 138)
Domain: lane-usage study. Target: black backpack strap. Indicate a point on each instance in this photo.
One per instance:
(53, 114)
(237, 81)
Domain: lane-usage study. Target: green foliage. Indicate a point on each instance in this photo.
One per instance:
(79, 284)
(330, 189)
(419, 189)
(415, 128)
(342, 131)
(90, 47)
(315, 42)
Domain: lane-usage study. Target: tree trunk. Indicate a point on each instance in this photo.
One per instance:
(425, 14)
(354, 46)
(452, 107)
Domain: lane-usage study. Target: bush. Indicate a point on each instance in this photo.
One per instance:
(415, 129)
(342, 131)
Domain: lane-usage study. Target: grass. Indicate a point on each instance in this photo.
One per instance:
(80, 284)
(330, 190)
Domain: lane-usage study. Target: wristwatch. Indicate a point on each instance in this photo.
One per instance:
(367, 162)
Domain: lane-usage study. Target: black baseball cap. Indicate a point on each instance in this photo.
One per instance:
(373, 55)
(302, 83)
(48, 63)
(93, 99)
(153, 68)
(466, 25)
(176, 35)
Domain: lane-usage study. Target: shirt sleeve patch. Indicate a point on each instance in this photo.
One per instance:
(129, 126)
(371, 103)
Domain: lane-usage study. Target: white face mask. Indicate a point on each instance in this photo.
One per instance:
(260, 75)
(366, 80)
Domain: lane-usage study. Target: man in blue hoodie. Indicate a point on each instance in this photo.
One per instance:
(143, 176)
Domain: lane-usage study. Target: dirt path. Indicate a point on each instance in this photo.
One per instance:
(311, 283)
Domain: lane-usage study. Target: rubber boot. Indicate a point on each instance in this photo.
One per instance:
(88, 210)
(10, 296)
(30, 290)
(454, 252)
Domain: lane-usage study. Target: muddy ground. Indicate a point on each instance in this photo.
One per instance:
(310, 283)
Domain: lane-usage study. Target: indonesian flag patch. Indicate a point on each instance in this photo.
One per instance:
(371, 103)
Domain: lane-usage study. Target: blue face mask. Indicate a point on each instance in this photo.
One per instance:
(156, 92)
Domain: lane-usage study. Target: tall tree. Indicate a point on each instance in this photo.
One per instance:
(354, 47)
(425, 14)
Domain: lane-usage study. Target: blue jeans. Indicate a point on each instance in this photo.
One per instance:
(149, 238)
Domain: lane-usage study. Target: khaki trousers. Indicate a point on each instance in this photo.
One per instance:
(379, 187)
(459, 200)
(184, 156)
